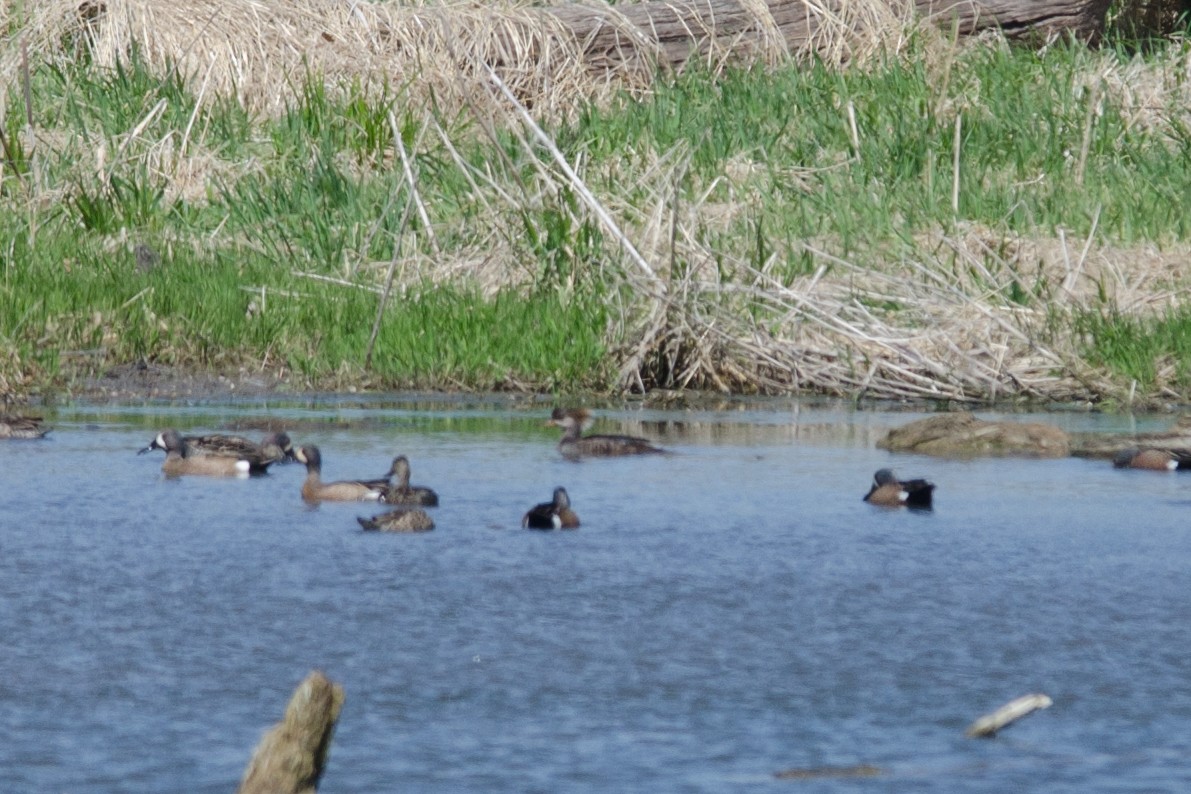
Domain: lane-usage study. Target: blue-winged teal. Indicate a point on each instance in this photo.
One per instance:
(315, 490)
(179, 460)
(888, 491)
(1152, 459)
(273, 448)
(575, 445)
(405, 520)
(552, 515)
(400, 492)
(26, 427)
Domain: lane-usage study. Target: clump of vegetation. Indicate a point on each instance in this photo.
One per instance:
(952, 221)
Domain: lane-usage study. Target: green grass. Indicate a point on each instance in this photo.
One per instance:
(319, 190)
(1154, 353)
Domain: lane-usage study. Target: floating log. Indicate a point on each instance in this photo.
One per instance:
(291, 757)
(1011, 712)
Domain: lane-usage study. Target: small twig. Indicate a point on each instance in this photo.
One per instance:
(853, 129)
(331, 280)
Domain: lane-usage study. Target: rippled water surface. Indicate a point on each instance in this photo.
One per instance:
(724, 613)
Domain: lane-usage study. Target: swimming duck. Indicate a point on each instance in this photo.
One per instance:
(400, 492)
(552, 515)
(25, 427)
(405, 520)
(179, 460)
(1153, 459)
(273, 448)
(574, 445)
(315, 490)
(888, 491)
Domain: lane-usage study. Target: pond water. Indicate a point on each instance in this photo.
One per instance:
(724, 613)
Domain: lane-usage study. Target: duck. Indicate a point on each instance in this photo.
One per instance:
(273, 448)
(1152, 459)
(315, 490)
(888, 491)
(556, 514)
(179, 460)
(23, 427)
(398, 491)
(574, 445)
(405, 520)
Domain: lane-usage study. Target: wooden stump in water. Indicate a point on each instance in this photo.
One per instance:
(291, 757)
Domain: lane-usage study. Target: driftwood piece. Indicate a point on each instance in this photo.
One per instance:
(291, 757)
(1011, 712)
(961, 434)
(667, 33)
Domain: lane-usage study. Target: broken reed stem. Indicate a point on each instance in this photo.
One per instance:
(1086, 143)
(955, 166)
(853, 130)
(580, 187)
(388, 288)
(399, 144)
(26, 87)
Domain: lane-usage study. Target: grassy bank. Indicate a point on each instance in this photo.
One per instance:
(953, 222)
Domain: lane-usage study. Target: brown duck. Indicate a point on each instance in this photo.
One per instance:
(273, 448)
(405, 520)
(24, 427)
(400, 492)
(556, 514)
(1152, 459)
(315, 490)
(180, 460)
(888, 491)
(574, 445)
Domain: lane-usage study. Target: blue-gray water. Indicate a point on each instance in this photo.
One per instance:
(724, 613)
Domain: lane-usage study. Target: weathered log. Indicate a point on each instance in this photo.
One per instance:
(667, 33)
(291, 757)
(1011, 712)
